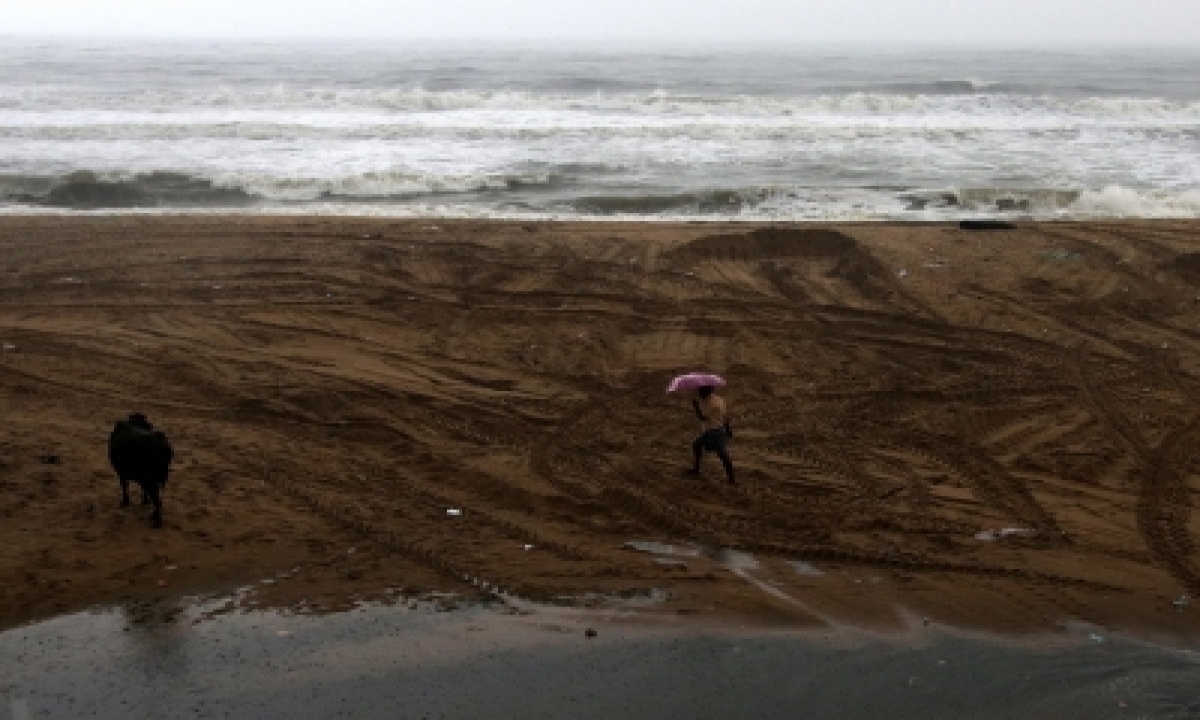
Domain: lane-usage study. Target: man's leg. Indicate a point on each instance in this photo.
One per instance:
(723, 453)
(697, 453)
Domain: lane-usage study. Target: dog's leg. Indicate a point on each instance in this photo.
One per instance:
(124, 491)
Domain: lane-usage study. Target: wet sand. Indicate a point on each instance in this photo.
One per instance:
(416, 661)
(333, 386)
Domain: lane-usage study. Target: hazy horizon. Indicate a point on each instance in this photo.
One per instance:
(651, 24)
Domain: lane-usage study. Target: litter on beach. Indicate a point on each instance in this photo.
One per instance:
(453, 512)
(993, 535)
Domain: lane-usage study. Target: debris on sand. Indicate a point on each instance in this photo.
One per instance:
(993, 535)
(806, 569)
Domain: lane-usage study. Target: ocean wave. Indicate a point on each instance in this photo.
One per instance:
(87, 190)
(964, 86)
(548, 194)
(709, 202)
(1115, 201)
(954, 96)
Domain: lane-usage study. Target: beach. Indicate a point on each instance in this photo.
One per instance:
(992, 430)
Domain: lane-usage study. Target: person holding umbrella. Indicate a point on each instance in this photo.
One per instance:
(714, 420)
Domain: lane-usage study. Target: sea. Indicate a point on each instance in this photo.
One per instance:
(454, 130)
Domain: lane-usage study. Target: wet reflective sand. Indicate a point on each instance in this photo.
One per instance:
(497, 661)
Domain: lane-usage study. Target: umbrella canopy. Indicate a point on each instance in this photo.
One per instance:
(695, 380)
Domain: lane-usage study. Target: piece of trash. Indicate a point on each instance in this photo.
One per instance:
(1061, 254)
(806, 569)
(163, 583)
(902, 273)
(991, 535)
(1096, 638)
(9, 346)
(50, 460)
(590, 633)
(172, 567)
(526, 547)
(454, 512)
(216, 287)
(283, 633)
(1182, 602)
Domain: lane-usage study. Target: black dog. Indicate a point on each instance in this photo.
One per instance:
(142, 454)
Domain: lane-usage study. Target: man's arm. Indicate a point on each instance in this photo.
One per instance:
(696, 407)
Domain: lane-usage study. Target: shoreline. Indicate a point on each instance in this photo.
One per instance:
(304, 213)
(333, 384)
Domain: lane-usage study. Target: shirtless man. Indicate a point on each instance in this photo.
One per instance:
(714, 431)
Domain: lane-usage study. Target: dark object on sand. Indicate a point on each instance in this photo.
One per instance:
(50, 460)
(589, 633)
(985, 225)
(142, 454)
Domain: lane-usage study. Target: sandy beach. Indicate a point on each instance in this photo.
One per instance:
(901, 394)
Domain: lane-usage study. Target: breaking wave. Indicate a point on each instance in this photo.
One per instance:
(968, 97)
(558, 194)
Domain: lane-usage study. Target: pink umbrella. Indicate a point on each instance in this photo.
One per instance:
(695, 380)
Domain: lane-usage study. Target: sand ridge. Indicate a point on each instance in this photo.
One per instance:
(334, 386)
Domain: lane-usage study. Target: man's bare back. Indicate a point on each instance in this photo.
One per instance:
(714, 431)
(713, 410)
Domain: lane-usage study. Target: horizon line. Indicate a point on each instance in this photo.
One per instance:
(599, 43)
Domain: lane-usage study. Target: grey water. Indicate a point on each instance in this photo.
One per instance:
(481, 662)
(388, 129)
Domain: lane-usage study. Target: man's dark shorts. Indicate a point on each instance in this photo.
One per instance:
(713, 440)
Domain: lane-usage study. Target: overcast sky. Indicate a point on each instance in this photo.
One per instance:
(940, 22)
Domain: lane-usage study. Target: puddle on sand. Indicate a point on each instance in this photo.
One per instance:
(657, 548)
(725, 557)
(735, 561)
